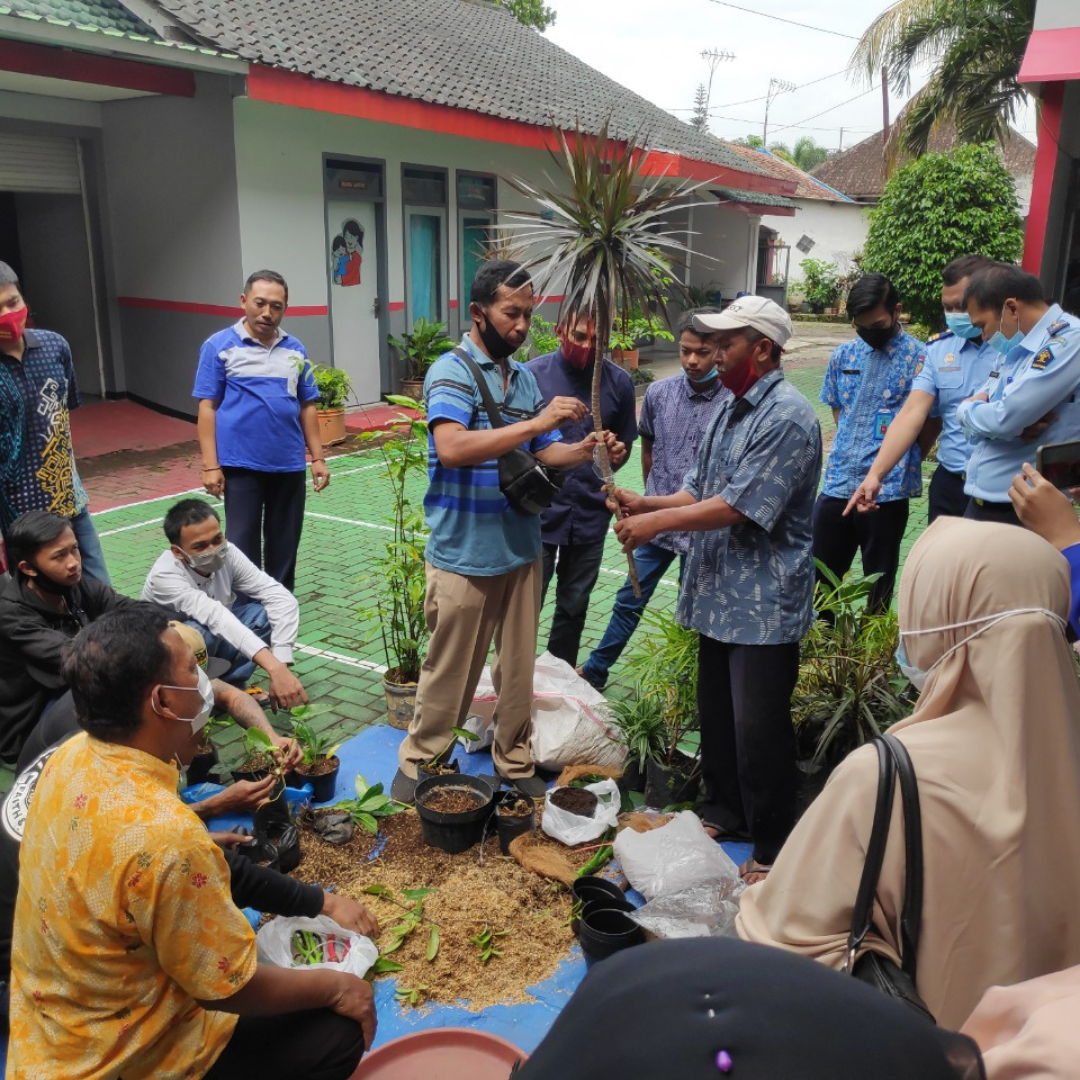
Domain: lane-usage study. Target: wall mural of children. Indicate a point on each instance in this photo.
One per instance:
(346, 253)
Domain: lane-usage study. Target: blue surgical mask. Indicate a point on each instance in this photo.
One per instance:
(713, 373)
(959, 322)
(1002, 344)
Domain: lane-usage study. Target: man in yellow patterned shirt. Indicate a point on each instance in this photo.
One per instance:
(129, 958)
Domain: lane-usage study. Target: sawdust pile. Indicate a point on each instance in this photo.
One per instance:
(498, 895)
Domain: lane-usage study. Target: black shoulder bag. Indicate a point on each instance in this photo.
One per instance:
(529, 485)
(873, 968)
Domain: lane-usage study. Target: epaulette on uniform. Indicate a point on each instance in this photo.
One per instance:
(939, 337)
(1056, 328)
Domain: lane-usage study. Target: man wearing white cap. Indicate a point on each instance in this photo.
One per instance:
(749, 579)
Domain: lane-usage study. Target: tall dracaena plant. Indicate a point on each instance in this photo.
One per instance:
(598, 237)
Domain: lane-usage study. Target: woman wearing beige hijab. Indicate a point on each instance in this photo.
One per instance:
(995, 741)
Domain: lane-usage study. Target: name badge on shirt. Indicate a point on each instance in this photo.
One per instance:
(881, 424)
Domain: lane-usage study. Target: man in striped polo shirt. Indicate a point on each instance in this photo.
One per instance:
(483, 556)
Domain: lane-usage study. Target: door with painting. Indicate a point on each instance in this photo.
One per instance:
(352, 226)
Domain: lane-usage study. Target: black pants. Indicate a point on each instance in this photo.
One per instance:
(947, 498)
(313, 1045)
(747, 741)
(264, 514)
(877, 535)
(576, 568)
(1001, 513)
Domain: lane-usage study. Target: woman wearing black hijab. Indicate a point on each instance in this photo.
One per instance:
(706, 1009)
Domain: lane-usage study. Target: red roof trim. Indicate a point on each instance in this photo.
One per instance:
(1052, 56)
(1043, 184)
(304, 92)
(83, 67)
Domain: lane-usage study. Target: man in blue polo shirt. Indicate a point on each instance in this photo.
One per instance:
(957, 364)
(483, 555)
(575, 526)
(256, 411)
(37, 392)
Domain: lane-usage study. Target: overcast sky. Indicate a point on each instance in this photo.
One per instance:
(654, 49)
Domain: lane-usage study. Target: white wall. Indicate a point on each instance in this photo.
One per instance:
(1056, 14)
(837, 229)
(723, 241)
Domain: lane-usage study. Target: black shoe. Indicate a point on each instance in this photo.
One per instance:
(403, 788)
(532, 787)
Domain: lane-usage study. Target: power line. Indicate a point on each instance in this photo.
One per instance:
(784, 127)
(760, 97)
(790, 22)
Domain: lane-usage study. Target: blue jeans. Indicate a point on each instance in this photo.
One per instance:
(253, 616)
(93, 558)
(652, 562)
(576, 568)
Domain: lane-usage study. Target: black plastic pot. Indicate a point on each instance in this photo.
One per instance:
(606, 931)
(453, 765)
(202, 765)
(262, 852)
(322, 786)
(588, 889)
(509, 827)
(633, 778)
(666, 785)
(607, 903)
(285, 839)
(253, 774)
(454, 833)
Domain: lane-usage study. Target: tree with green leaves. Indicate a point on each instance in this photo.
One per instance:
(700, 119)
(532, 13)
(753, 141)
(937, 208)
(808, 155)
(974, 49)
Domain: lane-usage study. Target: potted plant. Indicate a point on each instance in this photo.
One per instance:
(399, 606)
(261, 757)
(320, 766)
(335, 386)
(420, 349)
(821, 284)
(444, 761)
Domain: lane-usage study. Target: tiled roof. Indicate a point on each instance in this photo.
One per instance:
(86, 14)
(860, 171)
(807, 186)
(464, 53)
(757, 198)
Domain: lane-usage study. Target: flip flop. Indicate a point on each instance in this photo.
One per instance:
(258, 695)
(755, 870)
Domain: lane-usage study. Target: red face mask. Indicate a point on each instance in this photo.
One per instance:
(578, 356)
(741, 377)
(12, 324)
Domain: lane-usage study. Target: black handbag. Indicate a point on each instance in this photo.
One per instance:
(871, 967)
(529, 485)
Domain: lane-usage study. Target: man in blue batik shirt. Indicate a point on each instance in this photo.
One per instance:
(749, 580)
(866, 384)
(1033, 398)
(958, 363)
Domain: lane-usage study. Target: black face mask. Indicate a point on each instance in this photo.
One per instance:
(876, 337)
(46, 584)
(497, 347)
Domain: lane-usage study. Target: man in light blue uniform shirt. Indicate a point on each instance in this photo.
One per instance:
(957, 364)
(1037, 385)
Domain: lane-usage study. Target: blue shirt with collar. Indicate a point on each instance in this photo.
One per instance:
(474, 530)
(37, 464)
(954, 369)
(868, 387)
(753, 583)
(1039, 376)
(579, 513)
(259, 389)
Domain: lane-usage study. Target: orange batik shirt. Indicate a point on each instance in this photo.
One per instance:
(124, 919)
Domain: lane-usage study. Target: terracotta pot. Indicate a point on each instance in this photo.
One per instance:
(331, 426)
(400, 703)
(627, 359)
(413, 388)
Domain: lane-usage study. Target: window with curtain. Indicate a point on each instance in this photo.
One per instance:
(425, 262)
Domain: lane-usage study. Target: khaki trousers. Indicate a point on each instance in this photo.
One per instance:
(465, 614)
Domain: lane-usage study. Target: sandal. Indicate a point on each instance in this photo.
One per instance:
(752, 871)
(258, 695)
(721, 832)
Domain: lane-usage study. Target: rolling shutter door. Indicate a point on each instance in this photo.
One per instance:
(43, 163)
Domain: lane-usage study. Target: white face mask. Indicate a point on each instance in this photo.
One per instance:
(206, 692)
(208, 562)
(917, 677)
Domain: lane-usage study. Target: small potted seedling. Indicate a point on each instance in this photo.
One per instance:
(273, 818)
(262, 758)
(320, 766)
(514, 816)
(443, 763)
(206, 756)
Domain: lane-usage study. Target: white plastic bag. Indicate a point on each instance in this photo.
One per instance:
(675, 857)
(274, 945)
(703, 911)
(571, 722)
(573, 829)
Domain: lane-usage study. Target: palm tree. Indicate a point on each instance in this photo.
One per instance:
(597, 238)
(807, 154)
(975, 48)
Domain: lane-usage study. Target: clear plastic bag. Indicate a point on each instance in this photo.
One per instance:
(703, 911)
(573, 829)
(352, 952)
(672, 858)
